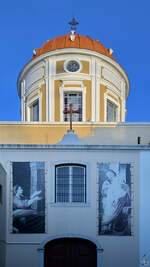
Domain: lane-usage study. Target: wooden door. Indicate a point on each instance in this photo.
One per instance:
(70, 252)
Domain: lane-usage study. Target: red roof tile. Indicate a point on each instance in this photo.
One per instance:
(83, 42)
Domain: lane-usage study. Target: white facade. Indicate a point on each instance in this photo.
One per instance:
(70, 219)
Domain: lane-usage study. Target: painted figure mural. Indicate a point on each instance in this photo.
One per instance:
(28, 197)
(114, 199)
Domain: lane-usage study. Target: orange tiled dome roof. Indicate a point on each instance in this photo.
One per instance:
(83, 42)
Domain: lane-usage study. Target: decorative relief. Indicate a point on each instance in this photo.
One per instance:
(72, 65)
(110, 76)
(34, 76)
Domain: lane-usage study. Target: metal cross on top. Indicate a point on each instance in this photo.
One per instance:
(73, 24)
(71, 111)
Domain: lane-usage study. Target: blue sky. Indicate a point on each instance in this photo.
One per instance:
(121, 25)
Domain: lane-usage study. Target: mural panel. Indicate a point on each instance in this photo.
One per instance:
(114, 199)
(28, 197)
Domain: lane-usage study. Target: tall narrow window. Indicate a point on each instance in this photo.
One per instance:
(76, 100)
(111, 111)
(34, 111)
(70, 183)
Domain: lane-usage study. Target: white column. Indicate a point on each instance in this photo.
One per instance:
(23, 100)
(47, 88)
(84, 103)
(52, 72)
(61, 93)
(98, 77)
(93, 87)
(22, 103)
(123, 99)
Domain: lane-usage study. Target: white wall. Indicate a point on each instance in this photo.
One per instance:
(76, 220)
(21, 255)
(119, 134)
(145, 204)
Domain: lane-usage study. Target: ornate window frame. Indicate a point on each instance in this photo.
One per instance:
(71, 89)
(30, 102)
(106, 98)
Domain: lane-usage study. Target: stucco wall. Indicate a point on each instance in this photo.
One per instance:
(110, 134)
(75, 219)
(102, 76)
(144, 204)
(21, 255)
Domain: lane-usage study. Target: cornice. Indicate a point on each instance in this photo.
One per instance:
(75, 124)
(86, 148)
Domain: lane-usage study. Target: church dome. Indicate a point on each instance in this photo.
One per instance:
(73, 69)
(80, 41)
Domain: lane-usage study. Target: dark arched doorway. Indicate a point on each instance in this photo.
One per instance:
(70, 252)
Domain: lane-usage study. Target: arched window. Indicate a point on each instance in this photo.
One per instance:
(70, 183)
(112, 110)
(34, 111)
(74, 98)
